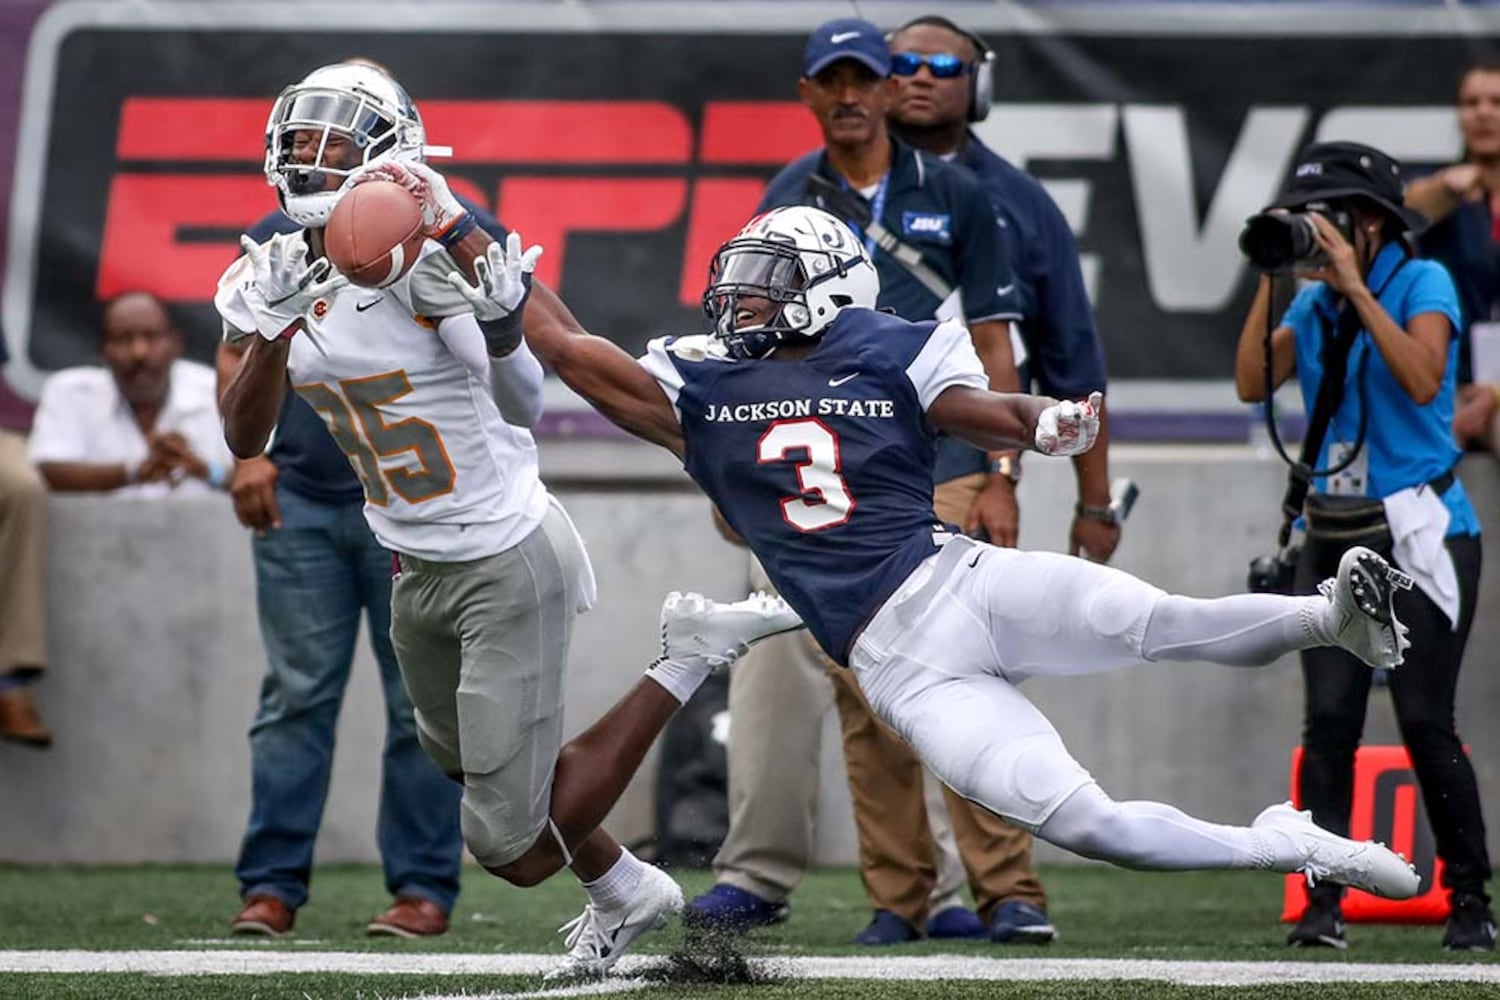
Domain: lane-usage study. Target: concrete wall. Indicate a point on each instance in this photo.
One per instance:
(156, 659)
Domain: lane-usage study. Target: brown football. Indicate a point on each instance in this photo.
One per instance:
(374, 235)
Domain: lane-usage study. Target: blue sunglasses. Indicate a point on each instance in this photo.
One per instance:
(943, 65)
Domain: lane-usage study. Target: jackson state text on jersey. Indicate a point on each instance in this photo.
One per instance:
(823, 464)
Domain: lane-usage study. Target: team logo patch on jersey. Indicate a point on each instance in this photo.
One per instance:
(928, 225)
(320, 309)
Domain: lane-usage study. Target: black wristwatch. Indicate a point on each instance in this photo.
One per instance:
(1008, 466)
(1105, 514)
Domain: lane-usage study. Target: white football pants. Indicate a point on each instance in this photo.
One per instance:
(940, 660)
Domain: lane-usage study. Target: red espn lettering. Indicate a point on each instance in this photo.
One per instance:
(141, 247)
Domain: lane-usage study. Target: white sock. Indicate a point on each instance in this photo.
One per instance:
(679, 678)
(1159, 837)
(614, 888)
(1247, 630)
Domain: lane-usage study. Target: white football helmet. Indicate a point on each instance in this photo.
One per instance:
(355, 100)
(803, 258)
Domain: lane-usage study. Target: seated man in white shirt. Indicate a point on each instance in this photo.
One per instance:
(147, 425)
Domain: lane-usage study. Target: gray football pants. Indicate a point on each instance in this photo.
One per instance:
(483, 647)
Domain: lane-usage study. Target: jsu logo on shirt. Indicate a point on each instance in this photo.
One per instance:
(928, 225)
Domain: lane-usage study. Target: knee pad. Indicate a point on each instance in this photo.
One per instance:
(1122, 608)
(490, 833)
(1024, 781)
(446, 758)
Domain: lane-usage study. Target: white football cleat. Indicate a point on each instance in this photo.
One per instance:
(695, 627)
(1365, 865)
(1364, 614)
(597, 938)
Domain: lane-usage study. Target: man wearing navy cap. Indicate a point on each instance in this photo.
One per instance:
(939, 253)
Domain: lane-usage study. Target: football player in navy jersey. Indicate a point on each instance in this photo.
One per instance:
(809, 420)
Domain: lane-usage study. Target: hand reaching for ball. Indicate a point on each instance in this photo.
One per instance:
(503, 279)
(440, 210)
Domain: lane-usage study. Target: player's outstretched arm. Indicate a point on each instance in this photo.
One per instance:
(998, 421)
(611, 380)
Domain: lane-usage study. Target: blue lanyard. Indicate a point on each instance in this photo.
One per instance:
(877, 209)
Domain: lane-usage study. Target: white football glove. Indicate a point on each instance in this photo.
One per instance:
(440, 210)
(1069, 428)
(503, 279)
(282, 287)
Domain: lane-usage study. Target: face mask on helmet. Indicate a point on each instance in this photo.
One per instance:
(785, 279)
(307, 162)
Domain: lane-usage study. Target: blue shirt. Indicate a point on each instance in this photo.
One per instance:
(1064, 355)
(308, 461)
(836, 545)
(940, 210)
(1406, 443)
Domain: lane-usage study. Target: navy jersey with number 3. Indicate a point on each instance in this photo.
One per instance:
(823, 464)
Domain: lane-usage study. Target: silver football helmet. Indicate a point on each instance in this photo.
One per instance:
(807, 261)
(354, 100)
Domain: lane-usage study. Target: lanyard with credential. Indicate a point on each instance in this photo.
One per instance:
(877, 209)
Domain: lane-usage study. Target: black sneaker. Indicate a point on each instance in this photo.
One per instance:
(1321, 926)
(1471, 927)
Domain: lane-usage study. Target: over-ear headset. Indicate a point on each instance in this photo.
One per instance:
(981, 80)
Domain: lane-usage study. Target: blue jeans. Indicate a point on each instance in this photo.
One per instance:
(313, 575)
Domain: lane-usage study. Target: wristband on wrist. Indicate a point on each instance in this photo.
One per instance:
(456, 231)
(1105, 514)
(1008, 466)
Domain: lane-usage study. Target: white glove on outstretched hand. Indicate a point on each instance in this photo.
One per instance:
(1069, 428)
(282, 286)
(440, 210)
(503, 279)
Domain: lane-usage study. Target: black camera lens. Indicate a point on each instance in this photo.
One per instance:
(1274, 241)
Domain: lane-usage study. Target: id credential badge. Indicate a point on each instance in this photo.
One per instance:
(1353, 481)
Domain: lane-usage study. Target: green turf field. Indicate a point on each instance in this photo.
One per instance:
(1103, 913)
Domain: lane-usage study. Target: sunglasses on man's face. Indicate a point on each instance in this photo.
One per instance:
(943, 65)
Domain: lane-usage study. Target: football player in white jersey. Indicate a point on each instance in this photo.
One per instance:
(491, 570)
(810, 419)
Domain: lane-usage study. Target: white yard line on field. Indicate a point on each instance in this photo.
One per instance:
(914, 967)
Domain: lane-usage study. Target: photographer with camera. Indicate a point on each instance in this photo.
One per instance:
(1371, 340)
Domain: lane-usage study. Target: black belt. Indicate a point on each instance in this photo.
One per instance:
(1442, 483)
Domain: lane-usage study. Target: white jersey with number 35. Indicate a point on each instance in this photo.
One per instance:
(445, 477)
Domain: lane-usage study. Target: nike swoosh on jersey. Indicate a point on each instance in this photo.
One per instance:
(362, 306)
(836, 382)
(1005, 289)
(843, 36)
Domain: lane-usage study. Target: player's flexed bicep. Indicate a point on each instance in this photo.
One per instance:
(600, 371)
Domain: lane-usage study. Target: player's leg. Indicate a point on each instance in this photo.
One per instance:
(929, 674)
(1052, 614)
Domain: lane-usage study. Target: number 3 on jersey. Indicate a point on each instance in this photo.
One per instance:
(360, 431)
(817, 475)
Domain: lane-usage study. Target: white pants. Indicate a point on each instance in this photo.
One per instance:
(940, 660)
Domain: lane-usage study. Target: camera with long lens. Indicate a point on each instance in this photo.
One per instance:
(1284, 239)
(1273, 574)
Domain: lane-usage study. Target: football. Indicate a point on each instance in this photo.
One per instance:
(374, 235)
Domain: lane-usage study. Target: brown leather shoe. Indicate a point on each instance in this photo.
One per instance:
(411, 917)
(263, 915)
(19, 721)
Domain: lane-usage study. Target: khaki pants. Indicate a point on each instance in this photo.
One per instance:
(777, 698)
(23, 554)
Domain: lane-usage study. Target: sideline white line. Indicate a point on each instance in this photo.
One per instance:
(915, 967)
